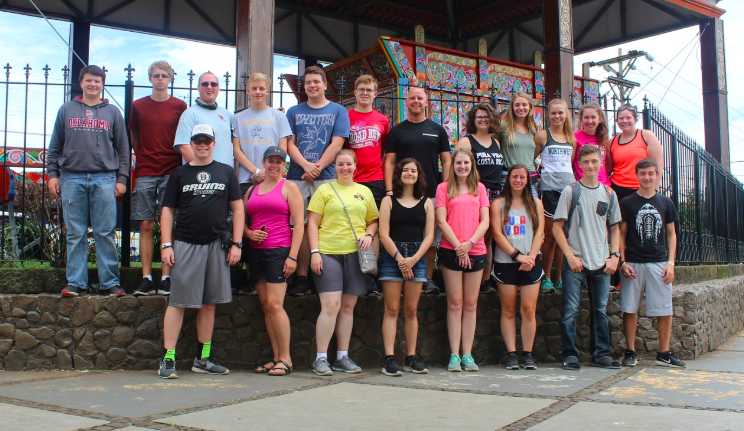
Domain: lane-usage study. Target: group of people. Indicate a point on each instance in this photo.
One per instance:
(218, 177)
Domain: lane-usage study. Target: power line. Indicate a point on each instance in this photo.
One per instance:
(673, 58)
(677, 74)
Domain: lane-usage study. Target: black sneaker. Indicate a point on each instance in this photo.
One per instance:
(487, 286)
(431, 287)
(528, 362)
(73, 291)
(605, 362)
(667, 359)
(164, 288)
(415, 365)
(390, 367)
(167, 369)
(146, 287)
(512, 361)
(571, 363)
(112, 291)
(301, 287)
(630, 359)
(207, 366)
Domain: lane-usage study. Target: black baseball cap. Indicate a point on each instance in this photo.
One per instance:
(275, 151)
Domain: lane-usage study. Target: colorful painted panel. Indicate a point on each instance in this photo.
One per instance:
(591, 92)
(539, 88)
(17, 158)
(576, 97)
(451, 112)
(342, 79)
(380, 66)
(398, 55)
(507, 80)
(421, 63)
(451, 72)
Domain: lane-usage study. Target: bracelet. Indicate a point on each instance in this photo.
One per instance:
(315, 250)
(370, 235)
(472, 242)
(669, 262)
(388, 191)
(515, 253)
(257, 172)
(396, 253)
(292, 258)
(620, 265)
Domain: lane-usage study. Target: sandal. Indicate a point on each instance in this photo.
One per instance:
(264, 369)
(282, 369)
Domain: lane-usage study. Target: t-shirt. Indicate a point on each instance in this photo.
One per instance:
(463, 216)
(522, 150)
(647, 219)
(257, 131)
(202, 195)
(221, 121)
(156, 123)
(368, 135)
(313, 129)
(424, 142)
(334, 233)
(518, 230)
(583, 138)
(587, 230)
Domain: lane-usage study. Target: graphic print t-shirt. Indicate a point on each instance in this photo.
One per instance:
(257, 131)
(368, 135)
(424, 142)
(202, 195)
(313, 130)
(645, 241)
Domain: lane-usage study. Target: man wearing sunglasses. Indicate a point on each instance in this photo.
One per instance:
(205, 110)
(152, 130)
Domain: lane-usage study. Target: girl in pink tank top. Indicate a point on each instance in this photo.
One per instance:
(593, 131)
(269, 212)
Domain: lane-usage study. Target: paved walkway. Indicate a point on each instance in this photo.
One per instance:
(708, 395)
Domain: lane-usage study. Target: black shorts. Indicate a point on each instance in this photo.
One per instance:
(378, 190)
(268, 263)
(448, 259)
(509, 273)
(550, 200)
(622, 192)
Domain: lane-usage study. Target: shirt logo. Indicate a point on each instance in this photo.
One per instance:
(203, 177)
(222, 118)
(648, 224)
(359, 196)
(89, 114)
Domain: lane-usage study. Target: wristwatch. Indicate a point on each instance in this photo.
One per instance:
(237, 244)
(167, 245)
(616, 254)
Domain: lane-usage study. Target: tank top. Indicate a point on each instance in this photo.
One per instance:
(522, 150)
(625, 157)
(489, 162)
(557, 160)
(518, 230)
(583, 138)
(407, 224)
(270, 210)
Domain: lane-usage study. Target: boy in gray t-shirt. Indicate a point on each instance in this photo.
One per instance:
(588, 257)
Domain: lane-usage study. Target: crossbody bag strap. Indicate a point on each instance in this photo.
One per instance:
(346, 211)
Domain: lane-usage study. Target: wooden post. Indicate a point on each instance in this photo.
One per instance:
(559, 48)
(254, 38)
(80, 37)
(715, 90)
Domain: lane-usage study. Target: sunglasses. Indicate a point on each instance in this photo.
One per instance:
(200, 141)
(206, 84)
(627, 108)
(161, 75)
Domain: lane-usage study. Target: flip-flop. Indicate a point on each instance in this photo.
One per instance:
(286, 369)
(263, 369)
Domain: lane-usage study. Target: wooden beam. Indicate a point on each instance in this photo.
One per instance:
(326, 36)
(166, 14)
(114, 8)
(72, 8)
(496, 41)
(512, 46)
(279, 19)
(595, 18)
(529, 34)
(203, 15)
(559, 48)
(666, 10)
(254, 37)
(346, 11)
(284, 4)
(715, 90)
(623, 19)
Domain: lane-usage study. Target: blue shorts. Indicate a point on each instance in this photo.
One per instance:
(388, 266)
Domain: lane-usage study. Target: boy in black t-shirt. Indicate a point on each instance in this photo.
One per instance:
(203, 191)
(648, 245)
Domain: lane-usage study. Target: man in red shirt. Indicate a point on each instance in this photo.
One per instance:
(152, 126)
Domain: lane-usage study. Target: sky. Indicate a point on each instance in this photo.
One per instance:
(672, 81)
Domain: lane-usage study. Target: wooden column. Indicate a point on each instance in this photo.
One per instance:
(254, 39)
(559, 48)
(80, 41)
(715, 90)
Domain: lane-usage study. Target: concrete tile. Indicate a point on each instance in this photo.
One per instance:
(134, 429)
(28, 419)
(626, 417)
(735, 343)
(547, 381)
(350, 406)
(7, 377)
(141, 393)
(680, 387)
(720, 360)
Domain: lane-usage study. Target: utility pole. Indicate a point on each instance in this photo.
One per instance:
(620, 86)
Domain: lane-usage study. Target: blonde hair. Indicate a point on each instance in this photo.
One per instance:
(473, 178)
(568, 128)
(163, 65)
(365, 79)
(258, 76)
(345, 152)
(511, 119)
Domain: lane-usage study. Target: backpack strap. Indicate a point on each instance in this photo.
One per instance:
(575, 195)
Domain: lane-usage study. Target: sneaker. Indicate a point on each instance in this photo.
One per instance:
(431, 287)
(207, 366)
(454, 363)
(415, 365)
(487, 286)
(571, 363)
(164, 288)
(372, 289)
(390, 367)
(528, 362)
(547, 286)
(558, 285)
(300, 287)
(167, 369)
(112, 291)
(667, 359)
(73, 291)
(605, 362)
(630, 359)
(346, 365)
(468, 363)
(321, 367)
(146, 287)
(512, 361)
(247, 290)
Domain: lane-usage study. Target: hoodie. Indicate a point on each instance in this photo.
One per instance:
(89, 139)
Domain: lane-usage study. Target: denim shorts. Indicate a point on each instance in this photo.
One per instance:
(388, 267)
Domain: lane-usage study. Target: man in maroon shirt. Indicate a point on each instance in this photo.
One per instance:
(152, 128)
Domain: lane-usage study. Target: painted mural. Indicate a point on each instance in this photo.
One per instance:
(507, 80)
(17, 157)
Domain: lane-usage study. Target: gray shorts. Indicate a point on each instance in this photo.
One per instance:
(307, 189)
(147, 197)
(658, 295)
(341, 273)
(200, 275)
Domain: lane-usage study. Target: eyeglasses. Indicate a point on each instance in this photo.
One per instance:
(627, 108)
(206, 84)
(482, 118)
(161, 75)
(200, 141)
(365, 90)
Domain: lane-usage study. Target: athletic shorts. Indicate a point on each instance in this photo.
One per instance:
(509, 273)
(493, 194)
(308, 189)
(147, 197)
(550, 200)
(622, 192)
(388, 267)
(658, 295)
(447, 258)
(341, 273)
(378, 190)
(268, 264)
(200, 275)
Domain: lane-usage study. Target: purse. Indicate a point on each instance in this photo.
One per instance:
(367, 258)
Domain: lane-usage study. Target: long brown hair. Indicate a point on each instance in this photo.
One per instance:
(527, 198)
(603, 132)
(493, 116)
(568, 129)
(511, 120)
(419, 189)
(473, 178)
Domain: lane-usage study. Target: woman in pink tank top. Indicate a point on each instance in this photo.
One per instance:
(274, 245)
(593, 131)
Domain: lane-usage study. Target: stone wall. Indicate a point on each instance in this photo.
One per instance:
(48, 332)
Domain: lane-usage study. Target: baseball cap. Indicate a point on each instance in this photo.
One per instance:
(202, 129)
(275, 151)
